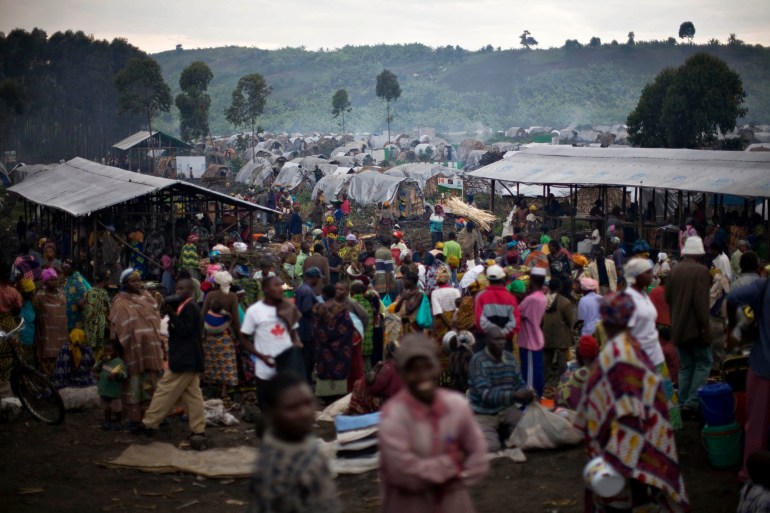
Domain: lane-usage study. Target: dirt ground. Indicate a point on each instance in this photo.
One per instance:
(46, 468)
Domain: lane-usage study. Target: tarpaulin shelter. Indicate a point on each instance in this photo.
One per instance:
(258, 173)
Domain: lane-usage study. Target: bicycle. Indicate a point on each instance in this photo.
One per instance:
(35, 391)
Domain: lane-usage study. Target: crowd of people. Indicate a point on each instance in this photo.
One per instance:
(449, 343)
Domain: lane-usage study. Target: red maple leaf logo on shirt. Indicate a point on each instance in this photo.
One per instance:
(278, 330)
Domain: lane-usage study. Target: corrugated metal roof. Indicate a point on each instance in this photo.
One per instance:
(141, 136)
(80, 187)
(738, 173)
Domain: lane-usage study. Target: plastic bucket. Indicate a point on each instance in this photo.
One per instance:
(723, 444)
(717, 404)
(602, 479)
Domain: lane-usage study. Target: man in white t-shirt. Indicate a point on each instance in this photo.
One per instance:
(269, 333)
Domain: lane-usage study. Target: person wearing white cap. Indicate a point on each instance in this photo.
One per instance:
(687, 293)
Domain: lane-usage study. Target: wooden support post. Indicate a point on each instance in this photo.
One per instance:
(680, 209)
(492, 199)
(640, 215)
(665, 207)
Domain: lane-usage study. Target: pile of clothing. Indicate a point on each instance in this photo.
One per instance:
(357, 438)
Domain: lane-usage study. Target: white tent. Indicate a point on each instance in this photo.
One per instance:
(330, 186)
(255, 173)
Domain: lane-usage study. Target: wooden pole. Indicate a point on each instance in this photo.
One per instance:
(665, 207)
(640, 214)
(492, 200)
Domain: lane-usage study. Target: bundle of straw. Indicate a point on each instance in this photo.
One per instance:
(482, 218)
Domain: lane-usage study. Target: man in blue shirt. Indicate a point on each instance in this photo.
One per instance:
(757, 434)
(495, 387)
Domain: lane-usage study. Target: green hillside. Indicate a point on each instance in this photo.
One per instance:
(454, 89)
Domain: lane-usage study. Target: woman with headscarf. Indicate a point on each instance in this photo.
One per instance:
(662, 267)
(50, 321)
(624, 417)
(135, 324)
(96, 311)
(75, 289)
(75, 363)
(643, 327)
(222, 324)
(335, 335)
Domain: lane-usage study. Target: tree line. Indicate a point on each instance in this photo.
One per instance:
(57, 98)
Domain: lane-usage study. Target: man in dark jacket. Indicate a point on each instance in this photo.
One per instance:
(181, 383)
(687, 293)
(305, 299)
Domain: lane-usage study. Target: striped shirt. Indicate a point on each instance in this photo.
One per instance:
(491, 384)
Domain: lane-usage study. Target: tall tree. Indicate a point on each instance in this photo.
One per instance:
(248, 103)
(341, 105)
(687, 30)
(388, 90)
(141, 89)
(595, 42)
(527, 41)
(631, 38)
(194, 102)
(687, 107)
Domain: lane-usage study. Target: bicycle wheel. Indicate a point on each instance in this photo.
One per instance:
(39, 396)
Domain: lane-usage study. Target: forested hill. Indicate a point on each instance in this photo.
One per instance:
(454, 89)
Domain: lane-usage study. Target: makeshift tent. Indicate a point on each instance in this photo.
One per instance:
(331, 186)
(256, 174)
(373, 188)
(216, 173)
(293, 177)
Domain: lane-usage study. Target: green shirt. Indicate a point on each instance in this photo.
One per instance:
(106, 388)
(452, 248)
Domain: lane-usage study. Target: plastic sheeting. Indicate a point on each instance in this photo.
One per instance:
(421, 173)
(371, 187)
(255, 173)
(737, 173)
(330, 186)
(292, 175)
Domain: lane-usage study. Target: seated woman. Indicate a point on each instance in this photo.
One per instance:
(75, 363)
(572, 382)
(378, 385)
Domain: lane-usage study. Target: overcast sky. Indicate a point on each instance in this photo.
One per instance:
(158, 25)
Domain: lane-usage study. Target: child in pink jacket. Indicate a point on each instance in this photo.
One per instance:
(431, 448)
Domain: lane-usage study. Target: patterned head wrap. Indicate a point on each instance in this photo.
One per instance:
(77, 338)
(192, 239)
(442, 275)
(128, 273)
(616, 309)
(48, 274)
(588, 283)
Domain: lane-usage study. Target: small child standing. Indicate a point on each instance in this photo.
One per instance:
(291, 475)
(112, 371)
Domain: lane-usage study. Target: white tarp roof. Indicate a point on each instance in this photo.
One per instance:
(370, 187)
(256, 172)
(421, 173)
(330, 186)
(80, 187)
(737, 173)
(292, 175)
